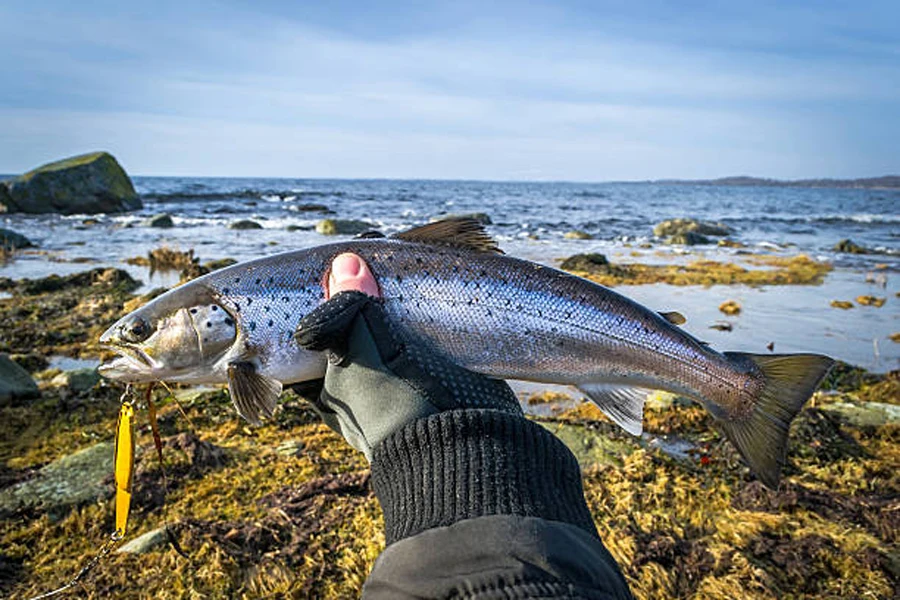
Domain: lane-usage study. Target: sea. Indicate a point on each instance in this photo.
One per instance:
(531, 220)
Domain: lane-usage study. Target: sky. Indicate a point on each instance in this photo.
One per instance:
(559, 90)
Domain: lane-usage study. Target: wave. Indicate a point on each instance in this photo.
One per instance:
(245, 194)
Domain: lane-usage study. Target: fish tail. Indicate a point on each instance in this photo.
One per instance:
(789, 381)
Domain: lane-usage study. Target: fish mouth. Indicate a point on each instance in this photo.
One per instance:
(132, 365)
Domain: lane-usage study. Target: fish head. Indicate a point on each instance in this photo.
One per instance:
(177, 337)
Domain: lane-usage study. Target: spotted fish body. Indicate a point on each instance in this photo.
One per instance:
(500, 316)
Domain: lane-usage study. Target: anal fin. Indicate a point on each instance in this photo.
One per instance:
(624, 405)
(253, 394)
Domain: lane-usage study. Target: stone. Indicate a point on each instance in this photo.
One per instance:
(342, 227)
(88, 184)
(586, 262)
(290, 448)
(865, 414)
(688, 238)
(483, 218)
(163, 221)
(145, 543)
(673, 227)
(730, 307)
(577, 235)
(15, 383)
(842, 304)
(871, 301)
(312, 208)
(77, 381)
(10, 240)
(848, 246)
(245, 224)
(70, 481)
(591, 447)
(6, 203)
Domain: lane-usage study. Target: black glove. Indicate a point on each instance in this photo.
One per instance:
(375, 384)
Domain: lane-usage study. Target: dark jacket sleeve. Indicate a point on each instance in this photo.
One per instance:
(481, 503)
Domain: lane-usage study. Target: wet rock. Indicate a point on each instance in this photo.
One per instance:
(592, 446)
(245, 224)
(221, 263)
(88, 183)
(871, 301)
(77, 381)
(15, 383)
(299, 228)
(865, 414)
(590, 263)
(31, 361)
(577, 235)
(675, 227)
(5, 200)
(895, 337)
(10, 240)
(722, 326)
(730, 307)
(342, 227)
(145, 543)
(163, 221)
(70, 481)
(849, 247)
(311, 208)
(731, 244)
(842, 304)
(688, 238)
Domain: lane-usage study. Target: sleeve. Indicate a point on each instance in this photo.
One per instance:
(488, 504)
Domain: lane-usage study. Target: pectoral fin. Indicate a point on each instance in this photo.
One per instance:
(251, 392)
(624, 405)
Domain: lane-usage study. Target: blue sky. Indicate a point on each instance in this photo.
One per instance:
(563, 90)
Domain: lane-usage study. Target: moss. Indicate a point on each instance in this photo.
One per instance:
(730, 307)
(777, 270)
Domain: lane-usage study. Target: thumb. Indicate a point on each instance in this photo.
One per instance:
(350, 273)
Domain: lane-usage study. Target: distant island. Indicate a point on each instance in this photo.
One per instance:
(884, 182)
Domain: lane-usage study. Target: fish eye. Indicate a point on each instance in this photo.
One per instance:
(137, 330)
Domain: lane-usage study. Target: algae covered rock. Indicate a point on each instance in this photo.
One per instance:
(10, 240)
(245, 224)
(675, 227)
(70, 481)
(163, 221)
(848, 246)
(88, 183)
(77, 381)
(688, 238)
(6, 203)
(588, 263)
(15, 382)
(577, 234)
(342, 227)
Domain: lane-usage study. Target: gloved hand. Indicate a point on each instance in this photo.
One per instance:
(374, 384)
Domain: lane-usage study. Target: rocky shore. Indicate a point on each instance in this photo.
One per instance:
(286, 509)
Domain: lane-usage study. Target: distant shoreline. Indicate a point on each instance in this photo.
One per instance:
(886, 182)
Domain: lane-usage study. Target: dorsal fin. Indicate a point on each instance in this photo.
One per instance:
(461, 232)
(673, 317)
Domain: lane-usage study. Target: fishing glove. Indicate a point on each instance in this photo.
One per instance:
(375, 384)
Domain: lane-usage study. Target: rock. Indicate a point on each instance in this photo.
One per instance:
(592, 447)
(586, 262)
(163, 221)
(731, 244)
(290, 448)
(299, 228)
(865, 414)
(722, 326)
(245, 224)
(31, 362)
(89, 183)
(312, 208)
(342, 227)
(688, 238)
(77, 381)
(895, 337)
(220, 263)
(10, 240)
(842, 304)
(577, 235)
(871, 301)
(673, 227)
(730, 307)
(15, 382)
(70, 481)
(849, 247)
(145, 543)
(6, 203)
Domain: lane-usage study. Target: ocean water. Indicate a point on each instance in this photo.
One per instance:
(530, 220)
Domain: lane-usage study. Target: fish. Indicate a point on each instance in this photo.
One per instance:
(448, 287)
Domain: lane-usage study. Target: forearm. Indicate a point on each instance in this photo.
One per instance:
(484, 500)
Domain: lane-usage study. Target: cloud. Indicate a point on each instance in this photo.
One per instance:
(241, 92)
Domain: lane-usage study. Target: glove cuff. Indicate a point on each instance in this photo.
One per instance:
(463, 464)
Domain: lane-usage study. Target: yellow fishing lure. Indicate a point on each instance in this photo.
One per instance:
(124, 466)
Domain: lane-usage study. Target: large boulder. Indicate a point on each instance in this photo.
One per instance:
(674, 227)
(15, 382)
(89, 183)
(342, 227)
(5, 201)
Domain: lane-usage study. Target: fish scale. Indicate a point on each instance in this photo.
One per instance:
(446, 287)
